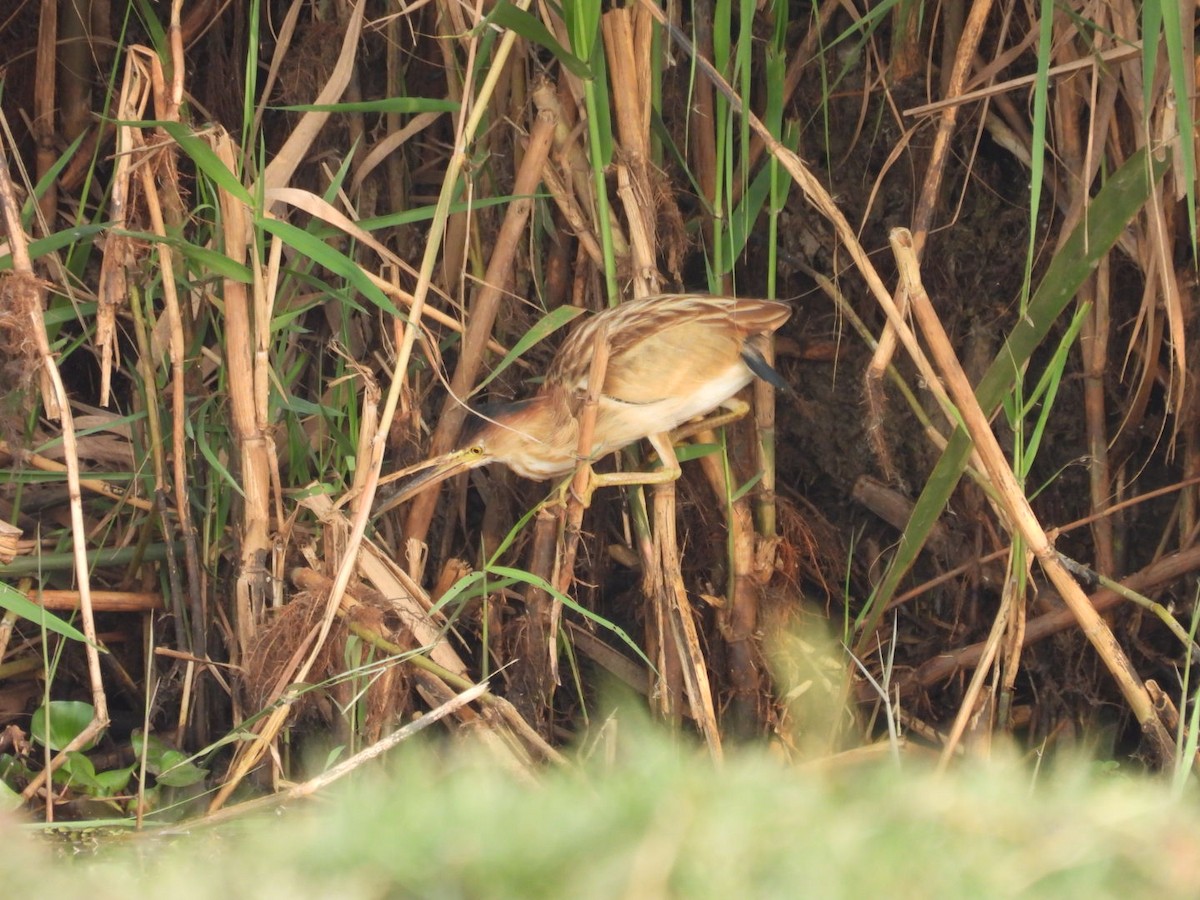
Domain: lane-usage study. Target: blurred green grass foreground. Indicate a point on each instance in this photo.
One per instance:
(658, 820)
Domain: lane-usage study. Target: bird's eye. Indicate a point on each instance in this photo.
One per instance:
(475, 450)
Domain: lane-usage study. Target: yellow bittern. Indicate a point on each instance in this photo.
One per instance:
(671, 358)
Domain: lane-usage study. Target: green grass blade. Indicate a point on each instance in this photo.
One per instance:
(545, 326)
(16, 602)
(505, 15)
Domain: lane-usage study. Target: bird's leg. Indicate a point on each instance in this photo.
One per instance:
(663, 444)
(667, 473)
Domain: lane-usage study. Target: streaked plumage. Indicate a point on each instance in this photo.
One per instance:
(671, 358)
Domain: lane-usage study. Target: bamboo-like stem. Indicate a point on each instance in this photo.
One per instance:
(251, 588)
(102, 601)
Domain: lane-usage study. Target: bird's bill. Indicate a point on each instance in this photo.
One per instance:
(422, 476)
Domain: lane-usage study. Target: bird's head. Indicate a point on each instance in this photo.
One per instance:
(531, 437)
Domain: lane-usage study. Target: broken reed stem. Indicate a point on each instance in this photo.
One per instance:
(739, 618)
(927, 203)
(663, 581)
(938, 669)
(1016, 504)
(25, 295)
(95, 485)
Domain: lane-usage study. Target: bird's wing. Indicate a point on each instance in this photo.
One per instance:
(671, 360)
(662, 347)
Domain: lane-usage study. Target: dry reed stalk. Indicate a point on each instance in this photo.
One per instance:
(112, 291)
(927, 203)
(25, 297)
(44, 105)
(1020, 515)
(1127, 52)
(1159, 573)
(662, 582)
(95, 485)
(535, 645)
(546, 99)
(581, 482)
(969, 704)
(252, 588)
(740, 614)
(102, 601)
(484, 312)
(629, 75)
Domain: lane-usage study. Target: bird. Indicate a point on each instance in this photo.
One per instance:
(671, 358)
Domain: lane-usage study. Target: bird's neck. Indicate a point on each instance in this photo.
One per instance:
(550, 436)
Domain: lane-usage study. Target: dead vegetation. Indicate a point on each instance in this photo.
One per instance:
(227, 317)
